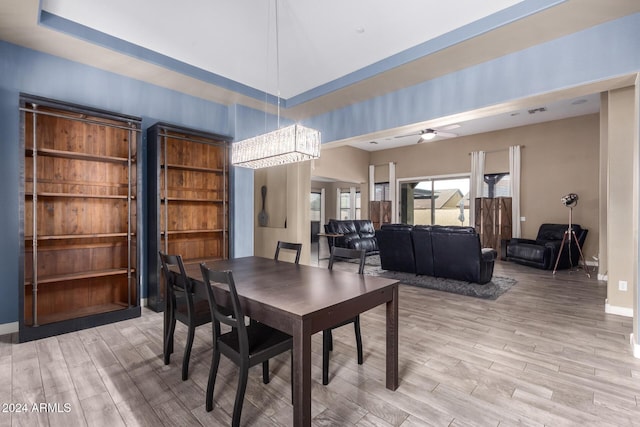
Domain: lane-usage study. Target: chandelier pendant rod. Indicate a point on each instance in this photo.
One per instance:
(292, 144)
(278, 63)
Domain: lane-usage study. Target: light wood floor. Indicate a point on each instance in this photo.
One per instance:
(544, 353)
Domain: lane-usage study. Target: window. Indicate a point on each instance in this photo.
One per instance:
(437, 201)
(496, 185)
(315, 203)
(349, 202)
(381, 191)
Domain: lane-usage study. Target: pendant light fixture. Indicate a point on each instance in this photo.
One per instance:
(290, 144)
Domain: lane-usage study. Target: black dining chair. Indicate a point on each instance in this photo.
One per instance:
(244, 345)
(327, 338)
(288, 246)
(182, 306)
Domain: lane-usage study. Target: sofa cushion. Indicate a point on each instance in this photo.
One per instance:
(342, 227)
(421, 236)
(456, 254)
(364, 228)
(548, 232)
(355, 234)
(526, 251)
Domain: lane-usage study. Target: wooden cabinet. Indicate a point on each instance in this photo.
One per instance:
(380, 213)
(79, 218)
(188, 189)
(493, 220)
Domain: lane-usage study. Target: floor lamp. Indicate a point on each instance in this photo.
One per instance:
(570, 201)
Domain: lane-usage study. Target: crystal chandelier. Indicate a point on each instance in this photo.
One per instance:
(290, 144)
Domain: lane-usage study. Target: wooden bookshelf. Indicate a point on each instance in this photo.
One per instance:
(79, 218)
(188, 199)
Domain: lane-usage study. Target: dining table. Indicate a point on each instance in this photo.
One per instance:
(302, 300)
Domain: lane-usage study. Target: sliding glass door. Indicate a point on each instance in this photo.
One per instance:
(430, 201)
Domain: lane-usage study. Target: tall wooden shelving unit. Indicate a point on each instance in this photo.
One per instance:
(380, 213)
(188, 191)
(79, 218)
(493, 221)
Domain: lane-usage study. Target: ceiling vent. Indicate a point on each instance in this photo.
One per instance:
(538, 110)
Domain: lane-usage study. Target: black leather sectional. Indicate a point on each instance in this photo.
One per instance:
(452, 252)
(353, 234)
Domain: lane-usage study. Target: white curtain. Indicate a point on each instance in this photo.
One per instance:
(392, 191)
(477, 182)
(514, 174)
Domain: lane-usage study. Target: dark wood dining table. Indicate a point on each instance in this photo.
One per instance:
(302, 300)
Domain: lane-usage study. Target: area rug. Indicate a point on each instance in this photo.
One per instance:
(492, 290)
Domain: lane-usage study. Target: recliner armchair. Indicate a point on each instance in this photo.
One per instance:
(354, 234)
(543, 251)
(458, 254)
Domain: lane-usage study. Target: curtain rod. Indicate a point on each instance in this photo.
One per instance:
(500, 149)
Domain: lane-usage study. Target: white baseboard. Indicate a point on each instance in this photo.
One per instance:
(634, 346)
(143, 302)
(620, 311)
(8, 328)
(603, 277)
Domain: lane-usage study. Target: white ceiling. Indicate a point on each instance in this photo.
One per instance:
(319, 41)
(332, 53)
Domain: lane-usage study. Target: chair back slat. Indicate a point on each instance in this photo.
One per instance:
(178, 280)
(236, 321)
(345, 253)
(289, 246)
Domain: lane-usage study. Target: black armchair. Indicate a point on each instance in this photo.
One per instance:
(543, 251)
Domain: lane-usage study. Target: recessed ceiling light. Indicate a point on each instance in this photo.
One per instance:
(359, 30)
(579, 101)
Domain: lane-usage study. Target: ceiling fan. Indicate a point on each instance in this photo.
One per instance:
(429, 134)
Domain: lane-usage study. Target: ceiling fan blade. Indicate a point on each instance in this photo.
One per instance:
(408, 134)
(446, 134)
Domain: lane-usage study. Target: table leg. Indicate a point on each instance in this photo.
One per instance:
(392, 341)
(301, 374)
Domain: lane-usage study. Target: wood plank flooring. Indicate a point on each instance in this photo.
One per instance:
(543, 354)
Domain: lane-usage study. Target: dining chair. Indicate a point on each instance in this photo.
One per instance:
(245, 345)
(288, 246)
(327, 338)
(183, 306)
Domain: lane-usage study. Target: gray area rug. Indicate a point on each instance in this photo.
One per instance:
(492, 290)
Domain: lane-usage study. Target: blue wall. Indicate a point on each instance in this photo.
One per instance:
(27, 71)
(602, 52)
(605, 51)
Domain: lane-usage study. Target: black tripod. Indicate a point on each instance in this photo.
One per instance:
(568, 236)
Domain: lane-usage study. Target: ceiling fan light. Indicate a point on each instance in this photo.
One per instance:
(428, 136)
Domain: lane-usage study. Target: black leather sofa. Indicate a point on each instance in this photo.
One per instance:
(398, 253)
(543, 251)
(354, 234)
(452, 252)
